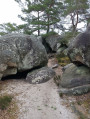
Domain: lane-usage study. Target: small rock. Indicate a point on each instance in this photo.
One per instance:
(55, 66)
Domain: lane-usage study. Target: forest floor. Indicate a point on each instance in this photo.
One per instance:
(38, 101)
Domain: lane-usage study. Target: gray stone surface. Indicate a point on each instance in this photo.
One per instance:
(54, 42)
(75, 76)
(75, 80)
(55, 66)
(76, 90)
(19, 52)
(67, 66)
(79, 48)
(40, 75)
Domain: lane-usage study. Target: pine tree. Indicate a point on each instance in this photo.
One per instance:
(52, 11)
(35, 20)
(76, 9)
(8, 28)
(40, 14)
(32, 10)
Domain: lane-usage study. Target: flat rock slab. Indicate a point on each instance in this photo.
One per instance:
(76, 90)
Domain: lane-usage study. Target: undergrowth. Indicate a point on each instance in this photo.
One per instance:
(5, 101)
(57, 80)
(63, 60)
(8, 107)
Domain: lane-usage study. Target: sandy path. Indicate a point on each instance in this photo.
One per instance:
(40, 101)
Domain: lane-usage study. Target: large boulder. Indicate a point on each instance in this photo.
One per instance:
(19, 52)
(75, 77)
(79, 48)
(53, 42)
(40, 75)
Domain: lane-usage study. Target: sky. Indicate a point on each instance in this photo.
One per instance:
(9, 11)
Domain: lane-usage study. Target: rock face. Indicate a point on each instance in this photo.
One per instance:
(76, 90)
(75, 76)
(19, 52)
(79, 49)
(54, 42)
(75, 80)
(40, 76)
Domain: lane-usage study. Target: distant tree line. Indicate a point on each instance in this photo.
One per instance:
(44, 16)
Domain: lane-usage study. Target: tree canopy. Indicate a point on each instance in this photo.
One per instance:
(41, 14)
(44, 16)
(7, 28)
(76, 9)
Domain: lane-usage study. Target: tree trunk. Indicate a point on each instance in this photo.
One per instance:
(74, 20)
(48, 26)
(48, 29)
(38, 25)
(74, 28)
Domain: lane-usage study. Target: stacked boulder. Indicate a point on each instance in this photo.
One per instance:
(20, 52)
(76, 77)
(52, 43)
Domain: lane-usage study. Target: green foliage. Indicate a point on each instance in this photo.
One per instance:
(52, 10)
(67, 36)
(49, 34)
(73, 6)
(47, 14)
(5, 101)
(8, 28)
(2, 33)
(76, 9)
(13, 28)
(63, 59)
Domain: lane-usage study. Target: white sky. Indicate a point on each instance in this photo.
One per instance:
(9, 10)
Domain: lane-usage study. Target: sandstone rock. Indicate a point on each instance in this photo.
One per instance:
(75, 76)
(60, 50)
(19, 52)
(54, 42)
(79, 48)
(67, 66)
(40, 75)
(76, 90)
(55, 66)
(75, 80)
